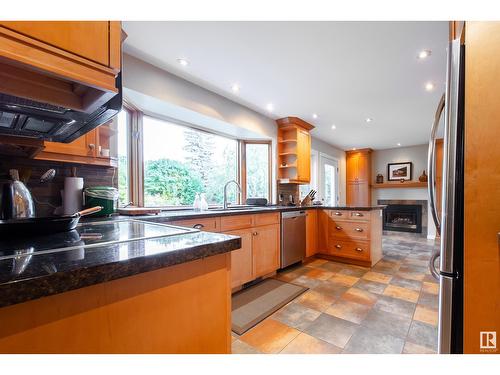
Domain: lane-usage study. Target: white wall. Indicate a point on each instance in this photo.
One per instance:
(418, 156)
(159, 92)
(326, 148)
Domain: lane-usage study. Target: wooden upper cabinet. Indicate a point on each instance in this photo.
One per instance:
(358, 176)
(294, 150)
(87, 39)
(71, 64)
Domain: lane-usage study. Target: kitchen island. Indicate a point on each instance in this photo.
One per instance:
(159, 295)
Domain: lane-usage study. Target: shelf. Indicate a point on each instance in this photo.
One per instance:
(287, 153)
(393, 185)
(288, 166)
(288, 141)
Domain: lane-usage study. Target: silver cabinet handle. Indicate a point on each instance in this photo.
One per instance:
(338, 213)
(338, 228)
(358, 229)
(338, 246)
(255, 233)
(91, 146)
(431, 161)
(198, 226)
(432, 266)
(358, 249)
(358, 214)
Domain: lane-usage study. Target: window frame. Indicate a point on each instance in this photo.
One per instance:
(135, 139)
(243, 162)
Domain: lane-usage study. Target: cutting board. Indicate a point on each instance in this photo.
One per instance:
(136, 211)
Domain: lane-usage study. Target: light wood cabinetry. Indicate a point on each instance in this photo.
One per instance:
(70, 64)
(358, 175)
(260, 251)
(294, 150)
(481, 184)
(351, 236)
(311, 232)
(86, 149)
(207, 224)
(184, 308)
(265, 247)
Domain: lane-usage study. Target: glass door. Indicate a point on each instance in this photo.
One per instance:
(329, 180)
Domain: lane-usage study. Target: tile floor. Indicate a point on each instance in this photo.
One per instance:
(390, 308)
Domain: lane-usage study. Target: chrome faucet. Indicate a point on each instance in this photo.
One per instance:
(225, 191)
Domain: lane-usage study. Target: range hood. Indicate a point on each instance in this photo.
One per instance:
(34, 119)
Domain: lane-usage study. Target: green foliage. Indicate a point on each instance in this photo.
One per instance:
(169, 182)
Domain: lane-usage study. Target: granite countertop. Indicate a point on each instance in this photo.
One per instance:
(186, 214)
(32, 276)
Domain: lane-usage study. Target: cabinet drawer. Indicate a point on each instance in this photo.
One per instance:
(208, 224)
(236, 222)
(267, 219)
(348, 229)
(349, 249)
(340, 214)
(359, 215)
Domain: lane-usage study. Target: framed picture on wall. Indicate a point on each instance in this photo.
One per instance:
(399, 171)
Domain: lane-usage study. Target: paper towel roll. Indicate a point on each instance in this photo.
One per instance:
(72, 197)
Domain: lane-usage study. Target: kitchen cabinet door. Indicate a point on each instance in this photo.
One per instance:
(88, 39)
(352, 167)
(266, 249)
(303, 156)
(82, 146)
(311, 232)
(364, 167)
(323, 218)
(242, 259)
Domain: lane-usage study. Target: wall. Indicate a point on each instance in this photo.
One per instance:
(157, 91)
(49, 192)
(325, 148)
(418, 156)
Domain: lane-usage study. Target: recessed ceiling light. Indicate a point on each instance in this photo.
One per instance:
(315, 115)
(399, 144)
(369, 119)
(235, 88)
(334, 127)
(270, 107)
(425, 53)
(429, 86)
(183, 62)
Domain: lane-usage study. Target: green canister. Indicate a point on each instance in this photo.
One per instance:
(104, 196)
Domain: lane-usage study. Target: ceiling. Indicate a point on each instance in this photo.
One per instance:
(344, 72)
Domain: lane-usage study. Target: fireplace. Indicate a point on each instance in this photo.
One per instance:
(403, 218)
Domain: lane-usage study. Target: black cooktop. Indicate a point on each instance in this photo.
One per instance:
(88, 235)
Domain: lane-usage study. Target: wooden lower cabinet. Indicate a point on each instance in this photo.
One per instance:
(242, 259)
(311, 232)
(350, 236)
(266, 249)
(260, 248)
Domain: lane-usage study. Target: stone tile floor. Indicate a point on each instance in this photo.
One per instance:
(389, 308)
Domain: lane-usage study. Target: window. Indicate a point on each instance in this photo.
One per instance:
(180, 161)
(124, 118)
(257, 170)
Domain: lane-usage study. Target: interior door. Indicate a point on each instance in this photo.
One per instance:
(329, 180)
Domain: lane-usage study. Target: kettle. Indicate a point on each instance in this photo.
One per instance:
(16, 199)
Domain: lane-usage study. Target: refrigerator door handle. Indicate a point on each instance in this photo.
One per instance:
(431, 162)
(432, 266)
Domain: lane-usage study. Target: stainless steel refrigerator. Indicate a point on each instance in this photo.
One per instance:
(450, 223)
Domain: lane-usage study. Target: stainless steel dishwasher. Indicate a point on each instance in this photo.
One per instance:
(293, 237)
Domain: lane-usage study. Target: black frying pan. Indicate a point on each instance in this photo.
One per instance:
(43, 225)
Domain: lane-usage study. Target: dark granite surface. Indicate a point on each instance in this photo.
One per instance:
(32, 276)
(173, 215)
